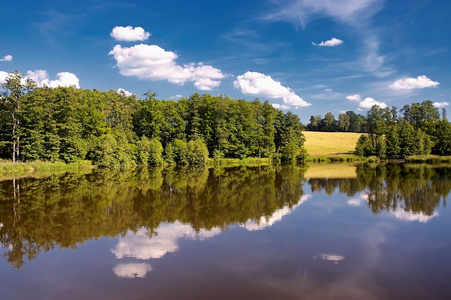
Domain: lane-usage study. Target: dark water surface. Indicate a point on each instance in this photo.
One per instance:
(352, 232)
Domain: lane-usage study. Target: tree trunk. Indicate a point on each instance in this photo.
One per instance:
(14, 141)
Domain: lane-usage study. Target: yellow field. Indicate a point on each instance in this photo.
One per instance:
(330, 143)
(341, 170)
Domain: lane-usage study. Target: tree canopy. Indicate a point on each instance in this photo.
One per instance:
(110, 128)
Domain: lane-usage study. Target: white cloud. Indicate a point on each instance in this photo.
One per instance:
(132, 270)
(280, 106)
(358, 201)
(41, 78)
(413, 217)
(263, 222)
(3, 76)
(302, 11)
(176, 96)
(154, 63)
(140, 246)
(369, 102)
(7, 58)
(329, 43)
(125, 92)
(254, 83)
(356, 13)
(129, 34)
(355, 97)
(436, 104)
(331, 257)
(413, 83)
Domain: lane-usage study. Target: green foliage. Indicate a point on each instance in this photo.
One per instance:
(442, 144)
(180, 150)
(197, 152)
(155, 153)
(364, 146)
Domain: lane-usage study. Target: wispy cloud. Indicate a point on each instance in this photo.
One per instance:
(301, 12)
(57, 24)
(333, 42)
(354, 13)
(254, 83)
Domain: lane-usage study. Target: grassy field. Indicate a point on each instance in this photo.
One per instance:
(330, 143)
(331, 171)
(7, 168)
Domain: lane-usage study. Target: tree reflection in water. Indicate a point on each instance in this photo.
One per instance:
(39, 214)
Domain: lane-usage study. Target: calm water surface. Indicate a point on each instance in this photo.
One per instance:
(350, 232)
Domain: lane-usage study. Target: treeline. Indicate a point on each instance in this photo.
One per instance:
(419, 131)
(111, 128)
(416, 129)
(347, 122)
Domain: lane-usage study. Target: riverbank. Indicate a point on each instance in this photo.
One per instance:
(9, 168)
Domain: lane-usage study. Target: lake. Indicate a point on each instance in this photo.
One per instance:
(270, 232)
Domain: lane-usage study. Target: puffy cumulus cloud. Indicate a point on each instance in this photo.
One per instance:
(41, 77)
(280, 106)
(137, 270)
(254, 83)
(154, 63)
(436, 104)
(7, 58)
(355, 97)
(420, 82)
(369, 102)
(3, 76)
(140, 246)
(329, 43)
(129, 34)
(125, 92)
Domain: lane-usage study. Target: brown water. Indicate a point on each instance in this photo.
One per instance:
(229, 233)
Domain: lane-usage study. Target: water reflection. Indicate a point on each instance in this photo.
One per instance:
(335, 258)
(132, 270)
(153, 208)
(64, 211)
(268, 221)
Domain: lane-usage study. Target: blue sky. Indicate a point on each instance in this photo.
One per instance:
(307, 56)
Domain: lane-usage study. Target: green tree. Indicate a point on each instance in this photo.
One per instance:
(13, 96)
(344, 122)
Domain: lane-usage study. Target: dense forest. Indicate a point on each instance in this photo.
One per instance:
(110, 128)
(416, 129)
